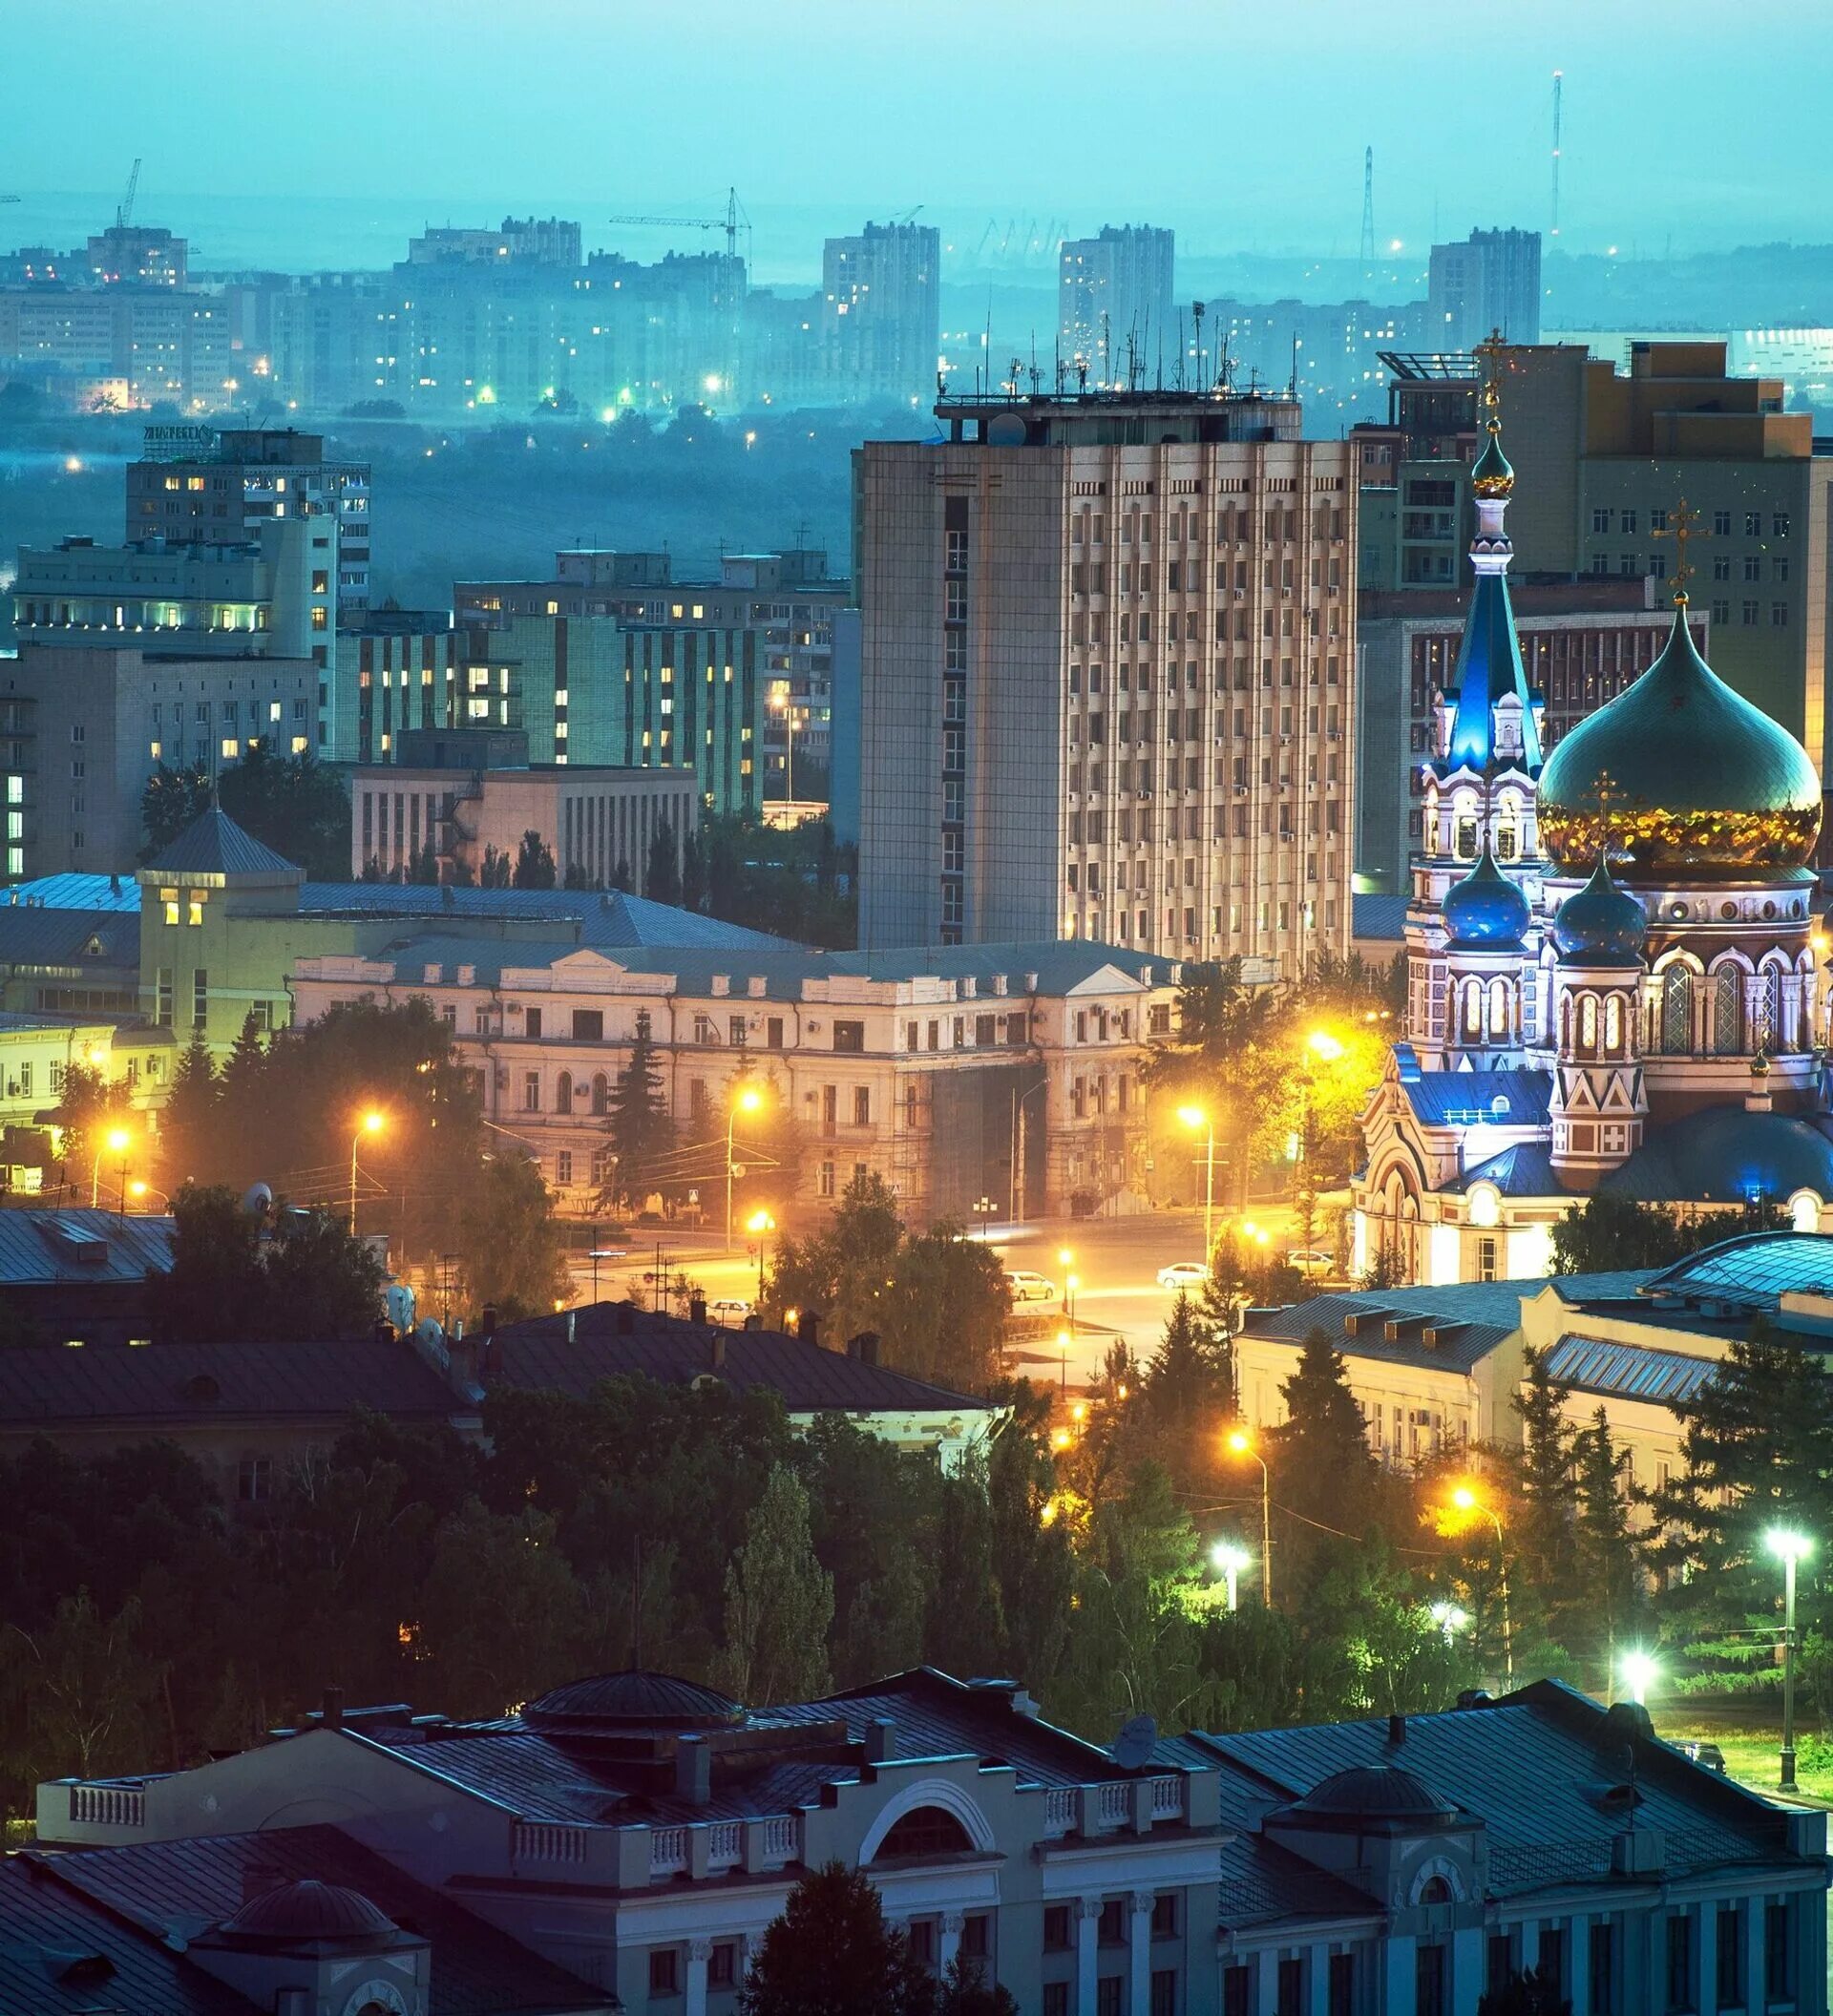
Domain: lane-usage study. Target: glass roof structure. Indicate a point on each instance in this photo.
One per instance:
(1757, 1270)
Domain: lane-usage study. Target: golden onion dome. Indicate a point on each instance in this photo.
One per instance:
(1492, 476)
(1679, 776)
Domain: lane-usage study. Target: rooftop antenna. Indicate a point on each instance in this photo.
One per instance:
(1223, 382)
(1292, 383)
(1559, 80)
(1183, 351)
(1196, 316)
(1368, 210)
(1106, 354)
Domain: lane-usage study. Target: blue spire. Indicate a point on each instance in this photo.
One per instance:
(1490, 671)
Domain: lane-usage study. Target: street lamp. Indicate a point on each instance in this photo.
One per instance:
(598, 1253)
(1788, 1547)
(1231, 1557)
(1450, 1618)
(1241, 1443)
(749, 1099)
(1195, 1116)
(1466, 1500)
(117, 1139)
(372, 1123)
(1637, 1669)
(983, 1210)
(1062, 1347)
(759, 1223)
(783, 702)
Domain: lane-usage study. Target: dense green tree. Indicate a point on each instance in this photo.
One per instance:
(779, 1601)
(872, 1510)
(296, 805)
(966, 1623)
(1609, 1232)
(1326, 1472)
(1607, 1556)
(170, 801)
(88, 1110)
(501, 1615)
(189, 1122)
(643, 1135)
(831, 1953)
(534, 863)
(495, 870)
(968, 1989)
(424, 868)
(1543, 1531)
(511, 1257)
(621, 877)
(1180, 1384)
(88, 1690)
(662, 874)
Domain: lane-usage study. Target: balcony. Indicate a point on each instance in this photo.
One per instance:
(1124, 1805)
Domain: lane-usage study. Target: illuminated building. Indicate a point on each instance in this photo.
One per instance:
(1114, 312)
(1488, 281)
(881, 314)
(1106, 678)
(1610, 976)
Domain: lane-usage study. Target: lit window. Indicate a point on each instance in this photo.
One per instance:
(231, 749)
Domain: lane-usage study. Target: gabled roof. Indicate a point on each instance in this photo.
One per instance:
(187, 1385)
(41, 1247)
(1523, 1169)
(78, 939)
(213, 844)
(805, 1376)
(1502, 1098)
(599, 917)
(174, 1889)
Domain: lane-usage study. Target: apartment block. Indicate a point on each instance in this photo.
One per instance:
(1488, 281)
(1106, 678)
(881, 314)
(1114, 311)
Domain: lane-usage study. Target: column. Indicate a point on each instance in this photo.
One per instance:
(1088, 1910)
(951, 1941)
(1756, 1946)
(1466, 1959)
(1578, 1965)
(1139, 1953)
(1318, 1980)
(1399, 1982)
(699, 1952)
(1705, 1949)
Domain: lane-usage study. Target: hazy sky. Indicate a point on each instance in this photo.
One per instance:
(1241, 125)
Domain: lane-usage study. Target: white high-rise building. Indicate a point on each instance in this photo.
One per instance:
(1114, 312)
(1106, 682)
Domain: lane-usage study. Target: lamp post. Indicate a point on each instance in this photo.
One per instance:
(1450, 1618)
(1231, 1558)
(1195, 1116)
(1466, 1500)
(748, 1101)
(600, 1253)
(371, 1123)
(1637, 1669)
(759, 1223)
(783, 702)
(983, 1210)
(1788, 1547)
(1241, 1443)
(117, 1140)
(1063, 1350)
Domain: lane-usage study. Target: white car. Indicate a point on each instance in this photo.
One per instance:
(1028, 1287)
(730, 1310)
(1183, 1273)
(1311, 1259)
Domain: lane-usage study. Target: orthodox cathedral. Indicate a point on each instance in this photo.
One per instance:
(1610, 957)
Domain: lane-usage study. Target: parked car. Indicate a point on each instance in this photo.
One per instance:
(1183, 1273)
(1708, 1754)
(730, 1310)
(1028, 1287)
(1311, 1259)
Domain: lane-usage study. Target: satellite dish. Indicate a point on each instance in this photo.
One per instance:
(258, 1200)
(427, 1332)
(1006, 430)
(1135, 1745)
(399, 1302)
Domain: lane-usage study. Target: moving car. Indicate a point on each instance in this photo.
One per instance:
(1183, 1273)
(1028, 1287)
(1708, 1754)
(1311, 1259)
(730, 1310)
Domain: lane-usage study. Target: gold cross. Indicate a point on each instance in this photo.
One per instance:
(1490, 351)
(1680, 528)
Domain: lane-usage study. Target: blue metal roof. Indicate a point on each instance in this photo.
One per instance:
(1728, 1155)
(1523, 1171)
(1467, 1099)
(1378, 917)
(213, 844)
(1630, 1370)
(1759, 1267)
(1490, 671)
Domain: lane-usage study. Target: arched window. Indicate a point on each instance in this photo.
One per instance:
(1498, 1010)
(1566, 1026)
(1769, 1033)
(1613, 1026)
(600, 1094)
(1435, 1890)
(1587, 1025)
(1676, 1012)
(563, 1093)
(1465, 841)
(1727, 1012)
(927, 1830)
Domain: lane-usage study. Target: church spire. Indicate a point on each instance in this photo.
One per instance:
(1492, 723)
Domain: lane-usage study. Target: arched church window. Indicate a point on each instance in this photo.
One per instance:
(1465, 840)
(1676, 1012)
(1473, 1010)
(1507, 838)
(1769, 1036)
(1614, 1025)
(1587, 1025)
(1728, 1013)
(1498, 1010)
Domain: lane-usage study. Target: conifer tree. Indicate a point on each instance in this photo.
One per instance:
(1180, 1378)
(1327, 1470)
(1608, 1575)
(779, 1601)
(188, 1124)
(642, 1133)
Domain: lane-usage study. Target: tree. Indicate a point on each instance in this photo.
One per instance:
(424, 868)
(534, 863)
(1543, 1532)
(169, 802)
(1180, 1378)
(1609, 1573)
(493, 871)
(88, 1108)
(662, 878)
(510, 1251)
(965, 1621)
(779, 1601)
(296, 805)
(966, 1991)
(500, 1612)
(1609, 1232)
(1326, 1471)
(833, 1954)
(642, 1133)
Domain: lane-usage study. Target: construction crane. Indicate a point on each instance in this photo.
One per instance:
(5, 199)
(729, 224)
(124, 209)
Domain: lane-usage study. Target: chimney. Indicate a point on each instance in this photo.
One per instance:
(331, 1714)
(719, 1350)
(1396, 1730)
(571, 1326)
(807, 1326)
(864, 1347)
(693, 1770)
(697, 1309)
(626, 1320)
(881, 1740)
(755, 1320)
(488, 1322)
(461, 1362)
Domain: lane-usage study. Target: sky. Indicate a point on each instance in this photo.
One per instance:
(305, 132)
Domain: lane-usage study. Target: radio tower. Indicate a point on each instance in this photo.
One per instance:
(1368, 209)
(1559, 78)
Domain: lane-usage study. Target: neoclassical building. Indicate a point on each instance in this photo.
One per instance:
(1610, 957)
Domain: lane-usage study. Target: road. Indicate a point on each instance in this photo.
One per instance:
(1115, 1263)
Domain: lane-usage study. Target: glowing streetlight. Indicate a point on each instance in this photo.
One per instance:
(1466, 1499)
(1451, 1618)
(1241, 1444)
(1325, 1045)
(1231, 1557)
(749, 1099)
(116, 1141)
(759, 1225)
(1195, 1118)
(372, 1123)
(1788, 1547)
(783, 702)
(1637, 1669)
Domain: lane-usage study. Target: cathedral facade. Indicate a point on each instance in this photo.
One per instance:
(1612, 955)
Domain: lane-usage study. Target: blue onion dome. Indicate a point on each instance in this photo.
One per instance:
(1600, 925)
(1484, 908)
(1492, 476)
(1679, 774)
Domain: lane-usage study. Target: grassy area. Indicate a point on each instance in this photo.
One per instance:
(1751, 1753)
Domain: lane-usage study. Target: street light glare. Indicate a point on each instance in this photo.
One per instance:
(372, 1122)
(1464, 1498)
(1239, 1443)
(1639, 1668)
(749, 1100)
(119, 1140)
(760, 1222)
(1787, 1545)
(1229, 1554)
(1194, 1116)
(1326, 1045)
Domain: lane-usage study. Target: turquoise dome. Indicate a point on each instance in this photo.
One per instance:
(1484, 908)
(1600, 925)
(1728, 1155)
(1492, 476)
